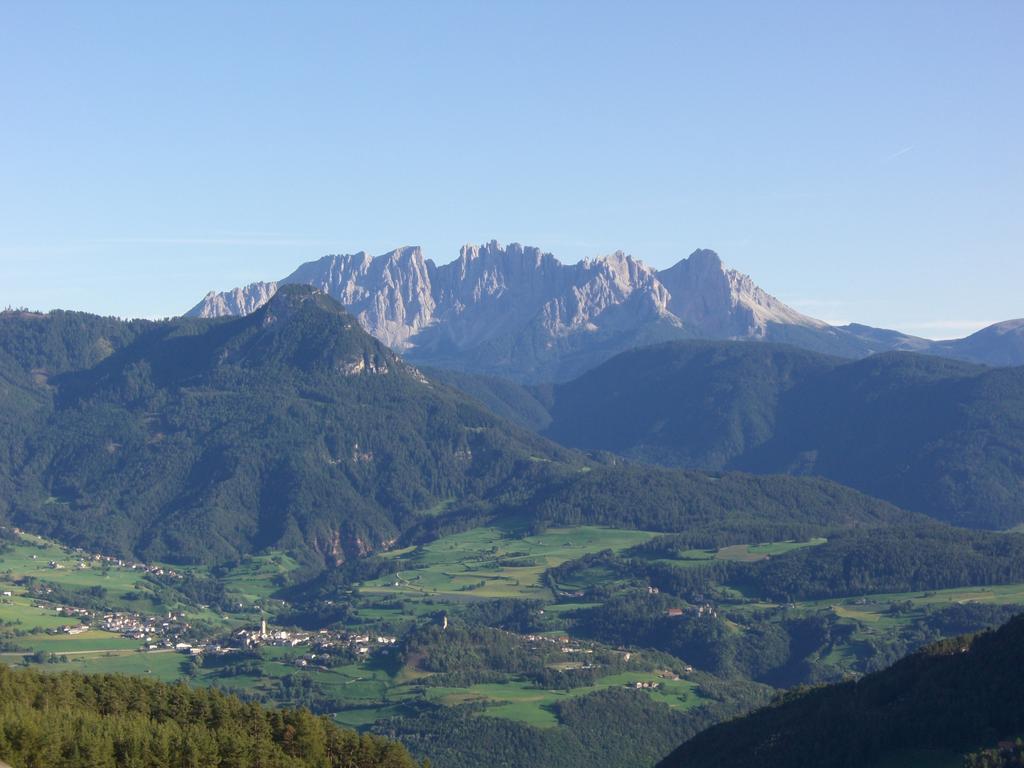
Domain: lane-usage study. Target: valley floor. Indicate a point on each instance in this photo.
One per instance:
(64, 609)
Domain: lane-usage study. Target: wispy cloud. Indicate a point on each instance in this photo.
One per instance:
(897, 153)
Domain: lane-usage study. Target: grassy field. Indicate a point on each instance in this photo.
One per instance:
(162, 665)
(32, 613)
(743, 553)
(257, 576)
(21, 611)
(254, 579)
(33, 558)
(362, 717)
(520, 700)
(93, 640)
(495, 563)
(875, 608)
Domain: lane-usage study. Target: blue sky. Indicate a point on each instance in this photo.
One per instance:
(861, 160)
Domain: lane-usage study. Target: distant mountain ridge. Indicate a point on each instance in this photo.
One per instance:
(933, 435)
(519, 312)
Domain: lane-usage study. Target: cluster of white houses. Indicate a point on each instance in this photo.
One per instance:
(325, 639)
(153, 631)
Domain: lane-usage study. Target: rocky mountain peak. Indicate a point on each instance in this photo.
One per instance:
(704, 259)
(517, 310)
(406, 255)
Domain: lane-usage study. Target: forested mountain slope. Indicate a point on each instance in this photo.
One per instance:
(107, 721)
(938, 436)
(60, 341)
(691, 404)
(292, 427)
(953, 697)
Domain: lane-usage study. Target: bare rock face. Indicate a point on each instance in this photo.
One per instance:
(240, 301)
(390, 295)
(725, 303)
(517, 311)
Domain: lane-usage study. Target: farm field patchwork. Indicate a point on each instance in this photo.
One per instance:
(442, 576)
(876, 607)
(488, 563)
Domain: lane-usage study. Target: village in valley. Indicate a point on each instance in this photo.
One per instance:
(172, 630)
(67, 609)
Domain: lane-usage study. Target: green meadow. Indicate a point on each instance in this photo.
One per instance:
(258, 576)
(162, 665)
(876, 608)
(491, 562)
(484, 563)
(33, 556)
(520, 700)
(742, 553)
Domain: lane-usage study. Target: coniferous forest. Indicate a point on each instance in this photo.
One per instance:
(110, 721)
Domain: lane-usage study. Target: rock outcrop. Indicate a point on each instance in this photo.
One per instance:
(518, 312)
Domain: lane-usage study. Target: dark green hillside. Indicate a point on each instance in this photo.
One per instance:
(928, 434)
(615, 728)
(951, 698)
(60, 341)
(291, 427)
(894, 559)
(23, 405)
(933, 435)
(762, 508)
(105, 721)
(33, 348)
(690, 404)
(516, 402)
